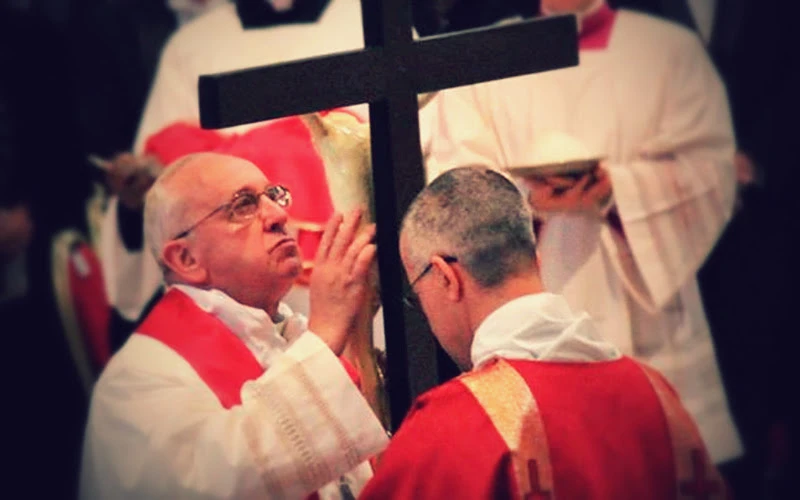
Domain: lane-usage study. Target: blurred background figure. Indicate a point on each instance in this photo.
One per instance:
(749, 307)
(44, 184)
(115, 45)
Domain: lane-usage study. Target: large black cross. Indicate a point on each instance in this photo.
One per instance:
(388, 74)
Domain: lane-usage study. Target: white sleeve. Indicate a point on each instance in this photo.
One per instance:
(300, 425)
(173, 95)
(675, 199)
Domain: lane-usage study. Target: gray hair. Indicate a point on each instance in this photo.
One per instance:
(477, 215)
(164, 211)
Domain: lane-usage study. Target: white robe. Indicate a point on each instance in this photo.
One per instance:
(652, 103)
(539, 327)
(214, 43)
(156, 430)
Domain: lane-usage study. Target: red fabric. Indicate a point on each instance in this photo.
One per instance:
(179, 139)
(606, 440)
(218, 356)
(596, 31)
(352, 371)
(446, 448)
(284, 152)
(89, 299)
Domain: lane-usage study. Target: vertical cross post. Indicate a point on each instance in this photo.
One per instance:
(536, 493)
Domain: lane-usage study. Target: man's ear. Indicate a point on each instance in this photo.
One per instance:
(450, 277)
(178, 257)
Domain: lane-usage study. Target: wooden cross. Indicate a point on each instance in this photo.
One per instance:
(388, 74)
(536, 493)
(698, 487)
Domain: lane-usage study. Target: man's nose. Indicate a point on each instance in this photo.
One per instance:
(272, 214)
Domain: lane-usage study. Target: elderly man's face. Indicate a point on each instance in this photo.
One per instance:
(254, 261)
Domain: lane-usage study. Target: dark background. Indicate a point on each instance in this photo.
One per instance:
(78, 73)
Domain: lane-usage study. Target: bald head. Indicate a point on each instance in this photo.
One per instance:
(181, 193)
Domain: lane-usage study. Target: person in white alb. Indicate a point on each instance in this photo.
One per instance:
(626, 242)
(222, 392)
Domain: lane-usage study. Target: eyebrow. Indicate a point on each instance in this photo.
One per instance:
(250, 190)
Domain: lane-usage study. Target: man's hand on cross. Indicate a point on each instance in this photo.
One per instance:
(339, 282)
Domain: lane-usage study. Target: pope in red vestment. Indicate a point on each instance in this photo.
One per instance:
(223, 391)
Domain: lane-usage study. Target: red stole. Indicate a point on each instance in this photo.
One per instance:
(218, 356)
(546, 415)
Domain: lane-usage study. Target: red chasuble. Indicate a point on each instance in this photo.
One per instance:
(544, 430)
(218, 356)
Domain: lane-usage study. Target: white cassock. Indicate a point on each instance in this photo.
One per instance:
(214, 43)
(652, 103)
(156, 429)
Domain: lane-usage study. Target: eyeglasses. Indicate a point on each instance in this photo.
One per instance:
(245, 205)
(410, 298)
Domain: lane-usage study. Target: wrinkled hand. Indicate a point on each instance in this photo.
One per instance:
(129, 177)
(16, 231)
(339, 284)
(588, 193)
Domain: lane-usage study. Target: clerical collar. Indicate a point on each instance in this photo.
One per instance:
(539, 327)
(244, 321)
(261, 13)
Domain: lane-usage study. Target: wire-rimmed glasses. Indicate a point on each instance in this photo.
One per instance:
(245, 205)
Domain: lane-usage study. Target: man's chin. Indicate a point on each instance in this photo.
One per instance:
(293, 266)
(289, 261)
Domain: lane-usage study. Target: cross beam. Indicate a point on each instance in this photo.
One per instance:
(382, 70)
(388, 74)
